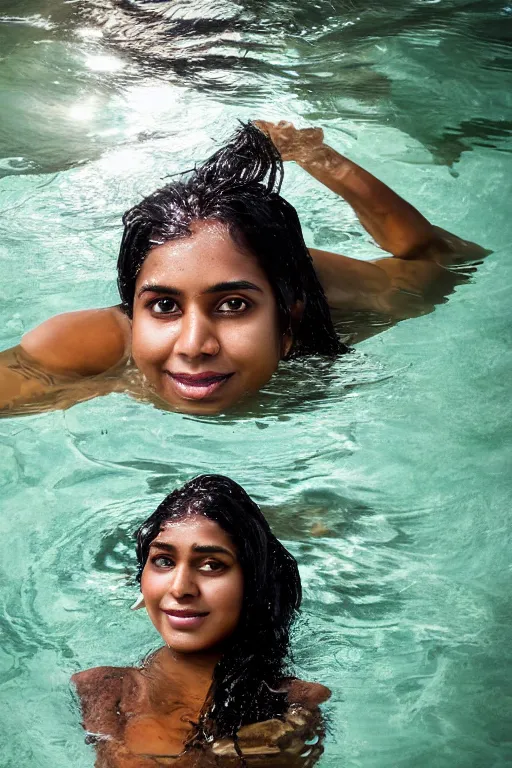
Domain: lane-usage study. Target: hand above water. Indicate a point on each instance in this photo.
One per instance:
(292, 143)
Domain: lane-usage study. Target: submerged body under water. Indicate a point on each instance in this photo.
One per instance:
(387, 477)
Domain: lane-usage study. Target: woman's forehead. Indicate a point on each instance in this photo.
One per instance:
(192, 528)
(208, 256)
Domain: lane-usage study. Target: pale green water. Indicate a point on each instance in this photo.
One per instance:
(403, 454)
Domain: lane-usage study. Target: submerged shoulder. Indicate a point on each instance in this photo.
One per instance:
(85, 343)
(89, 680)
(99, 686)
(101, 691)
(307, 695)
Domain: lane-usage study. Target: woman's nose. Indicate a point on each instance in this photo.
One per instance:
(196, 336)
(182, 583)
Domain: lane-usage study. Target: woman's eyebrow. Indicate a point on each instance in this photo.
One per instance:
(233, 285)
(203, 549)
(228, 285)
(168, 290)
(162, 545)
(211, 549)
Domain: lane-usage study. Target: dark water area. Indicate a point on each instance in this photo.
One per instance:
(333, 57)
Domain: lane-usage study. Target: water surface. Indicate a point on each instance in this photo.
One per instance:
(398, 459)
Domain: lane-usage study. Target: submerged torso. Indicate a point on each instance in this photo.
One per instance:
(137, 720)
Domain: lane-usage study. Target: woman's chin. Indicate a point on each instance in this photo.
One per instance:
(170, 402)
(189, 646)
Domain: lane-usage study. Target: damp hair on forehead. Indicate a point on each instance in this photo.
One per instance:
(157, 523)
(238, 187)
(246, 680)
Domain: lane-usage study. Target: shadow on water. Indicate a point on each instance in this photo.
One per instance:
(319, 51)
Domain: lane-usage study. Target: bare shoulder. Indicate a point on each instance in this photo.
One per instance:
(84, 343)
(101, 691)
(307, 695)
(349, 284)
(100, 683)
(89, 680)
(283, 738)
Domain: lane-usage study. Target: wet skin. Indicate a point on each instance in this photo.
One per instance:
(205, 329)
(192, 585)
(202, 345)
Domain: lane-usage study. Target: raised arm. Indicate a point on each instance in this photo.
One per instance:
(416, 277)
(59, 362)
(394, 224)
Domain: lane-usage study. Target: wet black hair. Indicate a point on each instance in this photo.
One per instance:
(239, 187)
(252, 667)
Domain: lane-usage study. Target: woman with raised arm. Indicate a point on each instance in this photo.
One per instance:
(222, 592)
(217, 285)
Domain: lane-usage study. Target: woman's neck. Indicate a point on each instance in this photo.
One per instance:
(173, 662)
(188, 675)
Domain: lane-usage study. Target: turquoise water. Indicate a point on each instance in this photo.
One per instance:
(399, 458)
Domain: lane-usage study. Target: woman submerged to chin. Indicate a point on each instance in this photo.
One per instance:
(222, 592)
(217, 281)
(218, 286)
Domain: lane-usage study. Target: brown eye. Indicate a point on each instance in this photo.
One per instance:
(235, 306)
(165, 307)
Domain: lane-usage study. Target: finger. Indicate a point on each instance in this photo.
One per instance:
(263, 125)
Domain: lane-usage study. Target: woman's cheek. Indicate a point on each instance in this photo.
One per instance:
(148, 585)
(229, 595)
(150, 345)
(256, 342)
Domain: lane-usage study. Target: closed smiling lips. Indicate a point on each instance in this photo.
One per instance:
(185, 619)
(196, 386)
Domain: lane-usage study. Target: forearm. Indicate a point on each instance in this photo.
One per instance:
(20, 380)
(395, 225)
(26, 387)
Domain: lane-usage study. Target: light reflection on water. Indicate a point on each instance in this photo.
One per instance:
(386, 474)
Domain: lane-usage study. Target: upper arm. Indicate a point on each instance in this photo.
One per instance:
(349, 283)
(396, 288)
(83, 343)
